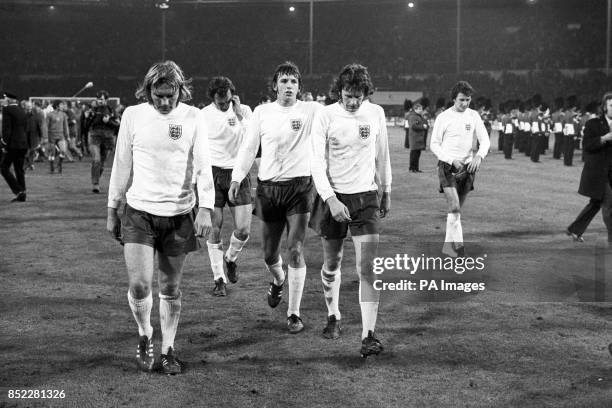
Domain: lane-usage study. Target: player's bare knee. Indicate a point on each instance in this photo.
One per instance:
(272, 259)
(333, 263)
(242, 233)
(454, 208)
(170, 289)
(140, 290)
(295, 254)
(214, 237)
(367, 274)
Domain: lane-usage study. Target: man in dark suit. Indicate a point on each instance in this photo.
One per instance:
(15, 144)
(596, 179)
(417, 134)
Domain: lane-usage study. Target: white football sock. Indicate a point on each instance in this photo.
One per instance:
(449, 228)
(141, 309)
(296, 277)
(169, 314)
(369, 312)
(454, 232)
(458, 230)
(277, 272)
(215, 253)
(331, 290)
(235, 246)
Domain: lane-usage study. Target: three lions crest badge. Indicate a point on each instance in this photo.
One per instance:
(175, 131)
(364, 131)
(296, 124)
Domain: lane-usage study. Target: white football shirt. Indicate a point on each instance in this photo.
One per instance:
(284, 134)
(164, 153)
(350, 150)
(225, 133)
(453, 133)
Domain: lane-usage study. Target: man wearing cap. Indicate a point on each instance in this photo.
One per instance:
(14, 143)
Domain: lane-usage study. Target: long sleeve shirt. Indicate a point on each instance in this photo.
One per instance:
(454, 133)
(284, 134)
(225, 133)
(350, 150)
(164, 153)
(57, 125)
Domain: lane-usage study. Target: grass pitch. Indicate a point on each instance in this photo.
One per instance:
(536, 337)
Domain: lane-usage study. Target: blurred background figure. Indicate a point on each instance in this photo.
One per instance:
(417, 135)
(101, 125)
(14, 144)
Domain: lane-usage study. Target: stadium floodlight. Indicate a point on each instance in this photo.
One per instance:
(163, 5)
(87, 85)
(292, 9)
(411, 4)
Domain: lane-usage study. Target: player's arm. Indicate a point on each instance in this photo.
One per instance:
(485, 144)
(318, 167)
(383, 167)
(246, 155)
(435, 144)
(244, 118)
(120, 175)
(204, 180)
(239, 110)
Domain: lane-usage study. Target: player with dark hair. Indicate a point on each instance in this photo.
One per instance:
(163, 144)
(452, 139)
(284, 194)
(226, 120)
(350, 155)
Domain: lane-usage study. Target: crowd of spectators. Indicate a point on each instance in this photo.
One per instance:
(403, 49)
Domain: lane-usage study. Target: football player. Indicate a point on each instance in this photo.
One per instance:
(226, 119)
(350, 154)
(284, 193)
(452, 141)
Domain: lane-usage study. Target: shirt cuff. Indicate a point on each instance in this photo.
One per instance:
(327, 196)
(113, 204)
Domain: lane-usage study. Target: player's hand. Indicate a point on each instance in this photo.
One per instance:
(606, 138)
(105, 118)
(203, 222)
(232, 193)
(338, 211)
(457, 165)
(113, 224)
(236, 106)
(385, 205)
(474, 165)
